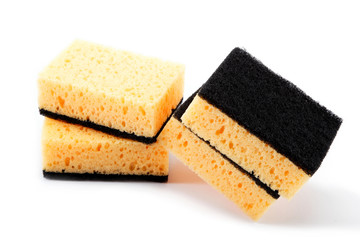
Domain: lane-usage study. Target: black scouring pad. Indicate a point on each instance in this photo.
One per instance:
(273, 109)
(103, 177)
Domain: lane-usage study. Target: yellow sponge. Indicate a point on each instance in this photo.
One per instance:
(74, 150)
(114, 91)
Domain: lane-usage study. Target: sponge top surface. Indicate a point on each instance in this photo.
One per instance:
(273, 109)
(113, 72)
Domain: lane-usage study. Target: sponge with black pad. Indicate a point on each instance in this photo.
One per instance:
(71, 151)
(262, 122)
(117, 92)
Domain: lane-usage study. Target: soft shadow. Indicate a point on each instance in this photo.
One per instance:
(316, 206)
(179, 173)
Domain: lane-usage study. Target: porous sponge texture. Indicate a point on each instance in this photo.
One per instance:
(242, 147)
(73, 148)
(273, 109)
(214, 169)
(112, 88)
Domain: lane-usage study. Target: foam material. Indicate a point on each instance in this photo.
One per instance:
(216, 170)
(76, 150)
(111, 88)
(243, 148)
(273, 109)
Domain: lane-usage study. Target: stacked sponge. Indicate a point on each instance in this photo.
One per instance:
(251, 134)
(248, 132)
(109, 107)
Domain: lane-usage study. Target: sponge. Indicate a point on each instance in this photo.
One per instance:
(113, 91)
(262, 122)
(251, 134)
(77, 152)
(243, 188)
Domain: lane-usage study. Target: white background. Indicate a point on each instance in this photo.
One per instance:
(314, 44)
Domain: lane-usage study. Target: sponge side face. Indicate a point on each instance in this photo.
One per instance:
(243, 148)
(273, 109)
(215, 170)
(116, 89)
(73, 149)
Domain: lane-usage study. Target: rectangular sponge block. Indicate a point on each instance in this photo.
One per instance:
(262, 122)
(242, 188)
(117, 92)
(81, 152)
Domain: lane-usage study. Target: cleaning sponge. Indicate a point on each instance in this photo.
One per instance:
(117, 92)
(262, 122)
(77, 152)
(251, 134)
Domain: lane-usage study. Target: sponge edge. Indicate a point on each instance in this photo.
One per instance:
(111, 88)
(73, 151)
(273, 109)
